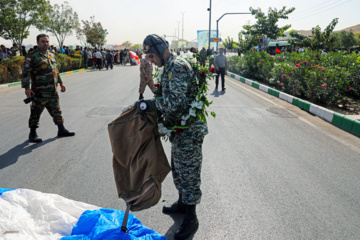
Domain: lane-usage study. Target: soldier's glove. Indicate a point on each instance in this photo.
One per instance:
(146, 105)
(141, 97)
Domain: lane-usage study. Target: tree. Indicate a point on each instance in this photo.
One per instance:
(267, 25)
(128, 43)
(136, 46)
(319, 40)
(229, 43)
(94, 32)
(61, 21)
(347, 39)
(17, 16)
(246, 42)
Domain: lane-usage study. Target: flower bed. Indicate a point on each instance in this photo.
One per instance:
(11, 68)
(329, 80)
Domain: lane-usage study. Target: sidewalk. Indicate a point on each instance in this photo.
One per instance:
(349, 123)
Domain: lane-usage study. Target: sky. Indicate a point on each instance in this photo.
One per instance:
(133, 20)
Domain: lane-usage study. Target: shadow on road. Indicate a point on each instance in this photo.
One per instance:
(217, 93)
(178, 218)
(11, 156)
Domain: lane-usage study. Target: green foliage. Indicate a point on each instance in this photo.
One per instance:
(61, 21)
(229, 43)
(267, 25)
(324, 79)
(93, 32)
(11, 69)
(136, 46)
(128, 43)
(320, 40)
(16, 17)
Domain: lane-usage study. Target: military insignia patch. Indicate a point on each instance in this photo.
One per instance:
(169, 75)
(147, 47)
(27, 64)
(28, 59)
(44, 66)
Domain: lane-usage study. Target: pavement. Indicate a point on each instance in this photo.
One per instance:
(349, 123)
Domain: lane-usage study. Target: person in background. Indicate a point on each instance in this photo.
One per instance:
(15, 50)
(109, 60)
(146, 77)
(202, 56)
(220, 63)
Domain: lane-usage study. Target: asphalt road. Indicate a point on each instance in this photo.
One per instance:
(270, 170)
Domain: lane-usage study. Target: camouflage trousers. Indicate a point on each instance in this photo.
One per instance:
(146, 81)
(186, 160)
(50, 101)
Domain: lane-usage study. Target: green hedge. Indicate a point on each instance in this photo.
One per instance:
(318, 78)
(11, 68)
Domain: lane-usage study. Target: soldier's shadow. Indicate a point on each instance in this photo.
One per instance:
(217, 93)
(11, 156)
(178, 218)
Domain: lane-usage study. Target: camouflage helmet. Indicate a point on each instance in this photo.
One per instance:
(155, 44)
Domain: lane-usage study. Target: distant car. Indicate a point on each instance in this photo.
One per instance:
(134, 59)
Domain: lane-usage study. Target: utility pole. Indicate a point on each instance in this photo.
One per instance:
(209, 9)
(182, 25)
(179, 29)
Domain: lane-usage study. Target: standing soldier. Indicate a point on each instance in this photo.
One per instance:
(203, 56)
(40, 67)
(178, 90)
(145, 76)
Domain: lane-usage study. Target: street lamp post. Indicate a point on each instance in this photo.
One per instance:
(217, 26)
(209, 9)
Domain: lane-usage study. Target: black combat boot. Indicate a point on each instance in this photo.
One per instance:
(190, 223)
(33, 137)
(63, 132)
(176, 207)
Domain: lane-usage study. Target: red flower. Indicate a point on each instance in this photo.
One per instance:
(280, 84)
(304, 62)
(316, 56)
(309, 97)
(314, 90)
(284, 71)
(313, 66)
(202, 73)
(271, 57)
(287, 77)
(297, 61)
(327, 76)
(291, 73)
(283, 75)
(292, 69)
(156, 85)
(350, 88)
(212, 69)
(297, 65)
(261, 60)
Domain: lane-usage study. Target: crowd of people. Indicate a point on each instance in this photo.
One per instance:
(11, 52)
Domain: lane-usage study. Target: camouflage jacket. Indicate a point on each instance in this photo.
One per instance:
(41, 68)
(146, 68)
(203, 55)
(178, 90)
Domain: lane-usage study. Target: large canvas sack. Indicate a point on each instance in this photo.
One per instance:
(139, 161)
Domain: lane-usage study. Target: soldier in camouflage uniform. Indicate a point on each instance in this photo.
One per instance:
(178, 90)
(203, 56)
(146, 79)
(40, 68)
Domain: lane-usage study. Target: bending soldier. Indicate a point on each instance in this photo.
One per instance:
(178, 90)
(145, 76)
(40, 67)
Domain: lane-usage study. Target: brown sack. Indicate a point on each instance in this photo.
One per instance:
(139, 161)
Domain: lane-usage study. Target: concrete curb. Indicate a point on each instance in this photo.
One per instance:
(339, 120)
(61, 74)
